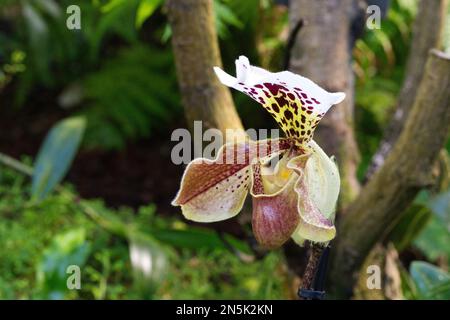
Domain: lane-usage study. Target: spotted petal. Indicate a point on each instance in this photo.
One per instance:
(296, 103)
(215, 190)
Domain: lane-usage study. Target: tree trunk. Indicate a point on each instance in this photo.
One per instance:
(322, 52)
(196, 50)
(427, 34)
(407, 169)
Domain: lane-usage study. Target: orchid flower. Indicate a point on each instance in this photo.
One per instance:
(297, 197)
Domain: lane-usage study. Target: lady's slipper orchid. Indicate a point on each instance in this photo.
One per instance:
(297, 197)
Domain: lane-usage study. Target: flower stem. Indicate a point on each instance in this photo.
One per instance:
(316, 251)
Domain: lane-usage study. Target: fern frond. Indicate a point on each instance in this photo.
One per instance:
(129, 97)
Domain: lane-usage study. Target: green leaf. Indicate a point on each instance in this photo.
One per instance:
(440, 205)
(56, 155)
(446, 35)
(195, 238)
(50, 7)
(434, 240)
(247, 12)
(38, 41)
(66, 249)
(149, 263)
(117, 18)
(111, 5)
(435, 237)
(224, 18)
(145, 10)
(123, 102)
(411, 223)
(431, 282)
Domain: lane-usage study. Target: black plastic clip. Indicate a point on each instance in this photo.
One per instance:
(311, 294)
(317, 292)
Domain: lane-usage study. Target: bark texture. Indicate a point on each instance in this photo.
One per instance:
(427, 34)
(407, 169)
(322, 52)
(316, 251)
(196, 50)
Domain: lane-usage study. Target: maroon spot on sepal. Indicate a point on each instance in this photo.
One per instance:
(281, 101)
(288, 114)
(258, 187)
(274, 88)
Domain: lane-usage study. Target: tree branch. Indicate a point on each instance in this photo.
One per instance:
(322, 52)
(196, 50)
(427, 31)
(406, 170)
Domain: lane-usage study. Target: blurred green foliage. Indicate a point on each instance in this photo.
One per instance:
(66, 249)
(110, 71)
(125, 103)
(435, 236)
(40, 240)
(379, 64)
(430, 282)
(117, 72)
(425, 226)
(56, 155)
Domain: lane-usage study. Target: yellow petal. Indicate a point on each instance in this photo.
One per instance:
(318, 190)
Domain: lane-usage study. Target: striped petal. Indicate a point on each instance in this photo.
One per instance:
(215, 190)
(296, 103)
(275, 215)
